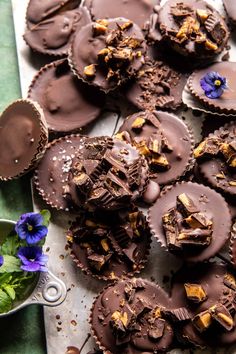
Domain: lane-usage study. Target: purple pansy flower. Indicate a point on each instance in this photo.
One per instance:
(213, 84)
(1, 260)
(29, 227)
(32, 259)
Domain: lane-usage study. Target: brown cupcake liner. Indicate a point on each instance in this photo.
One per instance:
(201, 176)
(39, 188)
(42, 144)
(205, 101)
(113, 278)
(164, 245)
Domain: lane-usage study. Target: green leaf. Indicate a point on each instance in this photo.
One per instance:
(10, 245)
(11, 264)
(46, 216)
(5, 278)
(5, 302)
(10, 291)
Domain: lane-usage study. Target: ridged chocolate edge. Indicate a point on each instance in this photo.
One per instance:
(36, 179)
(42, 143)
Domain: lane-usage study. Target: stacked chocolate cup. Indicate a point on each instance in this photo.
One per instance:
(146, 56)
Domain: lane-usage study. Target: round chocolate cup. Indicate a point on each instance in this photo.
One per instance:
(226, 103)
(85, 48)
(211, 276)
(38, 10)
(53, 177)
(119, 264)
(137, 11)
(207, 170)
(53, 171)
(179, 136)
(166, 27)
(53, 36)
(23, 138)
(157, 298)
(156, 86)
(68, 109)
(208, 200)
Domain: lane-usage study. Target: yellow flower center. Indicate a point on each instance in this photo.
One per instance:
(217, 83)
(30, 227)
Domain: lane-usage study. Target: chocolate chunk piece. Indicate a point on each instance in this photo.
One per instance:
(202, 321)
(230, 281)
(171, 229)
(195, 292)
(185, 205)
(157, 330)
(195, 237)
(177, 315)
(220, 314)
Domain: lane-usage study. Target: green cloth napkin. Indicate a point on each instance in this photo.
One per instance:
(23, 332)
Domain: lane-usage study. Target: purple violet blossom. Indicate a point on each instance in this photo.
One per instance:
(29, 227)
(32, 259)
(1, 260)
(213, 84)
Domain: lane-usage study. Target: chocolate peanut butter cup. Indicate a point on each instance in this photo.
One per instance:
(156, 86)
(192, 28)
(23, 138)
(205, 85)
(38, 10)
(128, 317)
(92, 173)
(164, 140)
(137, 11)
(52, 173)
(190, 220)
(107, 53)
(106, 174)
(54, 34)
(68, 103)
(216, 160)
(109, 245)
(208, 293)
